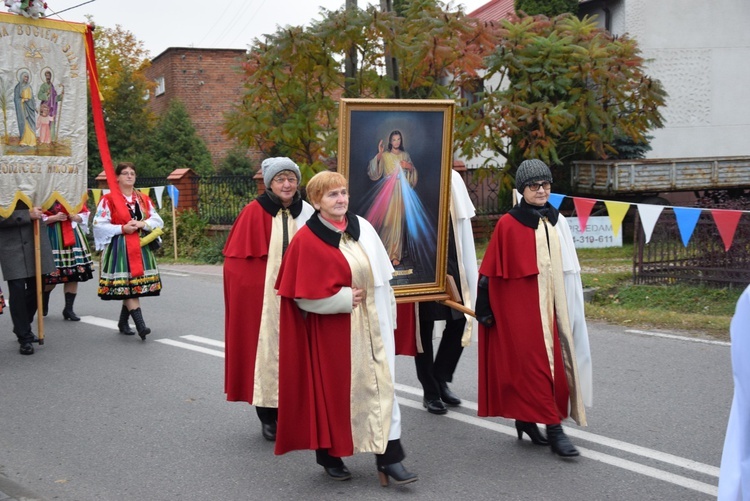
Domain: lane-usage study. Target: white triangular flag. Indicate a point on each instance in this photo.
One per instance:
(158, 192)
(649, 214)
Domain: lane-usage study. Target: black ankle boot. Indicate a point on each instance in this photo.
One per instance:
(397, 472)
(560, 443)
(143, 331)
(532, 430)
(123, 324)
(45, 302)
(68, 313)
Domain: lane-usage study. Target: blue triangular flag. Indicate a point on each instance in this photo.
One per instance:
(687, 218)
(174, 194)
(555, 199)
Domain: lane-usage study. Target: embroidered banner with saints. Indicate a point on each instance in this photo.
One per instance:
(43, 126)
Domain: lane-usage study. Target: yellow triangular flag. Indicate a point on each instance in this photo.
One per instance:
(97, 194)
(145, 191)
(616, 211)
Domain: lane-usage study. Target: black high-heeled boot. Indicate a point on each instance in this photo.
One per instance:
(532, 430)
(560, 443)
(123, 324)
(140, 325)
(397, 472)
(68, 313)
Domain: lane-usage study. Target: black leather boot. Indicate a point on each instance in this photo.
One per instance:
(123, 324)
(397, 472)
(560, 443)
(68, 313)
(140, 325)
(45, 302)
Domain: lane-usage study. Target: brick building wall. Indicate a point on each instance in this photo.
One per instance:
(208, 83)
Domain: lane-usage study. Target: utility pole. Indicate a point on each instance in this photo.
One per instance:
(350, 63)
(391, 65)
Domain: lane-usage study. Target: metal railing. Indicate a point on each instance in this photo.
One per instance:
(221, 198)
(665, 259)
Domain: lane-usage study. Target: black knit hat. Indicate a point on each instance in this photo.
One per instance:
(530, 171)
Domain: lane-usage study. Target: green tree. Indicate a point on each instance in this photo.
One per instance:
(174, 144)
(549, 8)
(236, 163)
(294, 77)
(121, 61)
(562, 90)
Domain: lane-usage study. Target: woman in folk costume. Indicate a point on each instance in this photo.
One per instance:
(128, 268)
(534, 359)
(734, 476)
(336, 353)
(252, 256)
(70, 249)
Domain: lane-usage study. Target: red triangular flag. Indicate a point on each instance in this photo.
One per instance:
(726, 221)
(583, 209)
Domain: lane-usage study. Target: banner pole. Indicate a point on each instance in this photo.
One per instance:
(38, 270)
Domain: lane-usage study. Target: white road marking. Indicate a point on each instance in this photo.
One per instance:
(679, 338)
(625, 464)
(656, 473)
(607, 442)
(205, 340)
(100, 322)
(192, 347)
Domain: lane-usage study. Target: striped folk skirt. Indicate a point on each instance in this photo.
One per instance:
(73, 264)
(115, 281)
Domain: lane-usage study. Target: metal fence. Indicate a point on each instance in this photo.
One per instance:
(221, 198)
(665, 259)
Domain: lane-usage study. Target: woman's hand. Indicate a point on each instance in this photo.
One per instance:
(358, 295)
(60, 216)
(130, 227)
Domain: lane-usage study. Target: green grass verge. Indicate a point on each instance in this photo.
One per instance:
(699, 309)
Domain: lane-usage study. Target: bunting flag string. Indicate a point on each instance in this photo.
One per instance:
(172, 192)
(726, 220)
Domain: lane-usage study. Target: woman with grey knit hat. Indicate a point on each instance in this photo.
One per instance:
(534, 358)
(252, 257)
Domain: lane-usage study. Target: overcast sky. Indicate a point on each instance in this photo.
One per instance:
(202, 23)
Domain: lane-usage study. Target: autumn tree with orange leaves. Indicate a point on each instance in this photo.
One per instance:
(294, 77)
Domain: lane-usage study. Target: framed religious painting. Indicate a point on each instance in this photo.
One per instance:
(397, 156)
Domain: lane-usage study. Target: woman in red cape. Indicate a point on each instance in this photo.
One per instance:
(527, 358)
(336, 346)
(252, 256)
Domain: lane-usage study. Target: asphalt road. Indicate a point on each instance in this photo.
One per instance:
(97, 416)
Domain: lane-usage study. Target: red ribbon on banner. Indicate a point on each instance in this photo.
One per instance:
(120, 213)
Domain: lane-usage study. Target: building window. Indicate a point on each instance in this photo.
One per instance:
(159, 86)
(469, 91)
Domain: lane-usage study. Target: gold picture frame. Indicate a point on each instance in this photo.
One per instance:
(397, 155)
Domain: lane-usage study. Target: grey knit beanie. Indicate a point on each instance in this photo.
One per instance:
(530, 171)
(274, 165)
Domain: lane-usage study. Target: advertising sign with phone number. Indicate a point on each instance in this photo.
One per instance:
(598, 233)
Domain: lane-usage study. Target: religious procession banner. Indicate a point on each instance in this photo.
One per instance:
(43, 133)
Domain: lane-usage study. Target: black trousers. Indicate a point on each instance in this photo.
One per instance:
(394, 453)
(22, 297)
(431, 371)
(267, 415)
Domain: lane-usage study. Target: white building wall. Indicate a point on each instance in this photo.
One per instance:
(700, 51)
